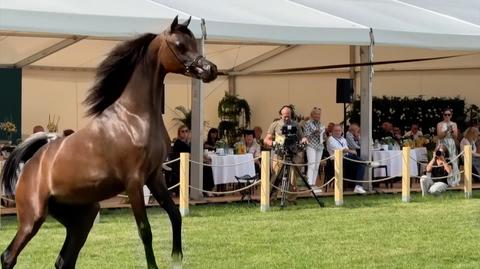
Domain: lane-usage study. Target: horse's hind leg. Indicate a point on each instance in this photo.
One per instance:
(31, 214)
(78, 220)
(135, 194)
(160, 192)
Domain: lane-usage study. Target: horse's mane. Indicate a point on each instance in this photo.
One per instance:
(114, 73)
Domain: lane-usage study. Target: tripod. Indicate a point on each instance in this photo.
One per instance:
(283, 176)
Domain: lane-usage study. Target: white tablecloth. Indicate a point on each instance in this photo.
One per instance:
(394, 162)
(226, 174)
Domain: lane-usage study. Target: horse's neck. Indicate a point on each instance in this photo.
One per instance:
(143, 95)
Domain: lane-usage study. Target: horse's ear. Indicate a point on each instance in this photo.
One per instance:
(174, 24)
(187, 22)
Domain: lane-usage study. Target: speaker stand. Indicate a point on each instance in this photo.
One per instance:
(345, 120)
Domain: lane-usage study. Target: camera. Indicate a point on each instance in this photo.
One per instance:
(439, 153)
(290, 145)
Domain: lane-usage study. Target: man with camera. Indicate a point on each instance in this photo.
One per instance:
(438, 172)
(284, 136)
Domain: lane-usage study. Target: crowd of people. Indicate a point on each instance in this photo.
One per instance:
(322, 140)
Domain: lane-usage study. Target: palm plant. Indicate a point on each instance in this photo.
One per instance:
(184, 116)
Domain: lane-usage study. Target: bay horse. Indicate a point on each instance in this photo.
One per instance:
(121, 149)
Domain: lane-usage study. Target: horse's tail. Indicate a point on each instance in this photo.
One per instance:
(21, 154)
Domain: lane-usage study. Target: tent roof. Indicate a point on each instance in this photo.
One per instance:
(47, 27)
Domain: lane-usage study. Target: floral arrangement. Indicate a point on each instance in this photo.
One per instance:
(52, 126)
(8, 127)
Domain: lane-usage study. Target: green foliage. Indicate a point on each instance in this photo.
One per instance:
(377, 231)
(184, 116)
(234, 114)
(403, 111)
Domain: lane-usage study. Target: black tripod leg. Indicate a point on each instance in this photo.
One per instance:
(304, 179)
(276, 182)
(285, 178)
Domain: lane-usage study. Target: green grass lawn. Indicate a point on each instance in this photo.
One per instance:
(376, 231)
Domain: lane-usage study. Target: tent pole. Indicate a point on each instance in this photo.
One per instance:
(366, 76)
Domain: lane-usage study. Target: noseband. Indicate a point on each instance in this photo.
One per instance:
(189, 65)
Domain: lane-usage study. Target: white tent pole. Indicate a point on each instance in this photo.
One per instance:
(366, 76)
(198, 97)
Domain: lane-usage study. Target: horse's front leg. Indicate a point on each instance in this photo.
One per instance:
(135, 194)
(157, 186)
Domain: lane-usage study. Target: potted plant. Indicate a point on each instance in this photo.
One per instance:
(234, 114)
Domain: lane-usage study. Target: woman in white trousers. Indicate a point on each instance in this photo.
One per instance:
(314, 131)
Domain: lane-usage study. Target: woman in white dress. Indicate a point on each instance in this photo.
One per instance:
(470, 138)
(447, 133)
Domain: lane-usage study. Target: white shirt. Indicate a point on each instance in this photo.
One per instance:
(334, 143)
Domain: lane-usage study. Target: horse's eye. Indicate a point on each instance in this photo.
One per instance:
(181, 47)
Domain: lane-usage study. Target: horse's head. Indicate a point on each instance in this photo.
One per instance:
(178, 53)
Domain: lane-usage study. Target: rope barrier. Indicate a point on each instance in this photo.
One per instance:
(6, 199)
(299, 164)
(227, 192)
(223, 165)
(391, 157)
(358, 161)
(368, 181)
(449, 162)
(452, 175)
(126, 196)
(304, 191)
(171, 161)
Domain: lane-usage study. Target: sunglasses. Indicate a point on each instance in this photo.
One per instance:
(184, 131)
(447, 114)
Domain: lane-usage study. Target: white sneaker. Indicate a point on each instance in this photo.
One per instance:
(359, 189)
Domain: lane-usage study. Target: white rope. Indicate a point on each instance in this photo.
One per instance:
(300, 164)
(304, 191)
(449, 162)
(475, 174)
(7, 199)
(224, 165)
(451, 175)
(172, 187)
(172, 161)
(391, 157)
(368, 181)
(357, 161)
(227, 192)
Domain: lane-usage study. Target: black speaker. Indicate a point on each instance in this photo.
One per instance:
(344, 90)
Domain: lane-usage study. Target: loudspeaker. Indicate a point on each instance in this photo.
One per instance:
(344, 90)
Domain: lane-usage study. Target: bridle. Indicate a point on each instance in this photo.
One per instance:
(189, 65)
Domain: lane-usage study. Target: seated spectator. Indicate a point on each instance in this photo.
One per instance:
(252, 147)
(386, 131)
(471, 138)
(38, 129)
(414, 132)
(212, 138)
(328, 130)
(67, 132)
(437, 167)
(337, 142)
(258, 134)
(182, 144)
(353, 137)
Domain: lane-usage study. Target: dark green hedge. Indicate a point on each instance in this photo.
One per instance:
(403, 111)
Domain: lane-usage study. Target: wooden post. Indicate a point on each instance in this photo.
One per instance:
(338, 177)
(184, 182)
(265, 182)
(467, 165)
(406, 174)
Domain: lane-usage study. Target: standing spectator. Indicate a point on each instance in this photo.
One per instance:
(314, 132)
(212, 138)
(470, 138)
(414, 132)
(447, 133)
(387, 131)
(274, 133)
(337, 142)
(437, 167)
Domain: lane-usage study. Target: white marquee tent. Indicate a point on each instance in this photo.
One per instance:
(68, 38)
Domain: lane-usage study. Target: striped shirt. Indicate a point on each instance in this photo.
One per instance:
(314, 131)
